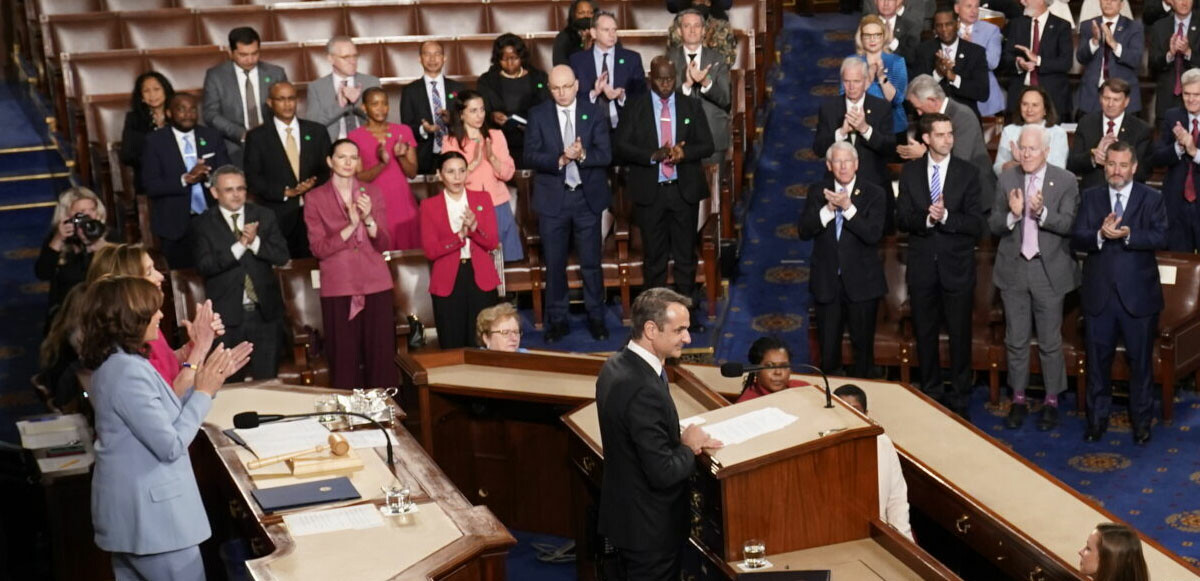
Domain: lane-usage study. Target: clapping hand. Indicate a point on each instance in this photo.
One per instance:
(363, 203)
(249, 232)
(575, 150)
(197, 172)
(697, 75)
(349, 94)
(857, 120)
(601, 85)
(837, 201)
(400, 149)
(1016, 202)
(429, 127)
(1100, 153)
(202, 329)
(1179, 45)
(937, 211)
(469, 223)
(220, 365)
(1112, 229)
(676, 153)
(1182, 137)
(1036, 203)
(911, 151)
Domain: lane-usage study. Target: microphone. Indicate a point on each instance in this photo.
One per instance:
(251, 419)
(735, 369)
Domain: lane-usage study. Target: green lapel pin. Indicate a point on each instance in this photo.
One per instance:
(203, 143)
(266, 79)
(308, 137)
(584, 116)
(478, 208)
(620, 61)
(687, 120)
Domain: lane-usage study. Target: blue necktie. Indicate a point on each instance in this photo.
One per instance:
(663, 375)
(837, 217)
(189, 161)
(437, 117)
(935, 186)
(1118, 209)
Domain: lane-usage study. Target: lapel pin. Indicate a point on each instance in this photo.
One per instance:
(308, 137)
(266, 79)
(203, 143)
(540, 85)
(1051, 184)
(478, 208)
(389, 134)
(620, 61)
(584, 116)
(362, 188)
(857, 191)
(687, 120)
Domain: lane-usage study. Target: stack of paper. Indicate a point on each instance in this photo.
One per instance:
(278, 438)
(750, 425)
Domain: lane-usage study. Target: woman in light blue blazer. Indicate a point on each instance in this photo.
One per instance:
(146, 506)
(888, 72)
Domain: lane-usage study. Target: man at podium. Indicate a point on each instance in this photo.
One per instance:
(643, 504)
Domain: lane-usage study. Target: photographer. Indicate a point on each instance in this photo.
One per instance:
(76, 233)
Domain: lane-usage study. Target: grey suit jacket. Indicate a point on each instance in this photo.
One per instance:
(969, 146)
(1060, 195)
(323, 104)
(144, 495)
(223, 105)
(718, 98)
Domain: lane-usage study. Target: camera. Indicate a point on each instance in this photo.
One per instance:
(87, 229)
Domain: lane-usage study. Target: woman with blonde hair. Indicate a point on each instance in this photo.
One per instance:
(498, 328)
(77, 231)
(887, 72)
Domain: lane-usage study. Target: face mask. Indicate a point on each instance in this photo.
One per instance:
(582, 24)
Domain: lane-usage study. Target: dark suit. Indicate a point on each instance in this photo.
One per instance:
(170, 199)
(643, 500)
(667, 212)
(1153, 11)
(1010, 8)
(268, 174)
(1057, 59)
(1184, 233)
(562, 212)
(907, 31)
(625, 71)
(716, 101)
(415, 107)
(941, 270)
(846, 275)
(1090, 130)
(1164, 72)
(970, 65)
(225, 281)
(224, 107)
(873, 153)
(1130, 36)
(1121, 297)
(492, 89)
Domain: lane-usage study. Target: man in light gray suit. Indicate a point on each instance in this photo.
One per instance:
(703, 75)
(335, 100)
(1034, 268)
(927, 96)
(235, 93)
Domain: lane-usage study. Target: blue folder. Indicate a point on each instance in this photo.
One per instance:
(305, 494)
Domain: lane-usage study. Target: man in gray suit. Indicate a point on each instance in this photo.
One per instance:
(235, 93)
(335, 100)
(1034, 268)
(927, 96)
(703, 75)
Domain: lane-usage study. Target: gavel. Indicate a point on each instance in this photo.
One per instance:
(337, 445)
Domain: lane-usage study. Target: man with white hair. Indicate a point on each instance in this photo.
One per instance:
(1038, 51)
(927, 96)
(1177, 150)
(987, 35)
(1034, 268)
(335, 100)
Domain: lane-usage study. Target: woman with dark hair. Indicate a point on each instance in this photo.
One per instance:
(1113, 552)
(489, 165)
(147, 112)
(577, 35)
(773, 353)
(345, 220)
(458, 231)
(510, 88)
(1036, 108)
(390, 160)
(146, 507)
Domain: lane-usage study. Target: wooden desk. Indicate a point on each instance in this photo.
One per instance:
(447, 539)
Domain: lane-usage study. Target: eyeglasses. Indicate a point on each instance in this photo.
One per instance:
(506, 332)
(872, 35)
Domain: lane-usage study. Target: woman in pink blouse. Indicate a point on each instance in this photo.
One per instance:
(389, 158)
(345, 220)
(489, 164)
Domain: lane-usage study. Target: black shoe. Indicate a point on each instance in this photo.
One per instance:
(1094, 433)
(1141, 436)
(1016, 416)
(555, 332)
(1049, 419)
(598, 329)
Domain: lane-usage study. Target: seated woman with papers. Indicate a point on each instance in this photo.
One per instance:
(771, 352)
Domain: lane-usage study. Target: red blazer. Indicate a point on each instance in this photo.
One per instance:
(442, 245)
(348, 267)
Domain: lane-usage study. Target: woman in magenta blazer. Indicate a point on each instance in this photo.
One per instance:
(345, 220)
(458, 231)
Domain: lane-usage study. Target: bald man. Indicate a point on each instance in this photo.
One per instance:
(567, 146)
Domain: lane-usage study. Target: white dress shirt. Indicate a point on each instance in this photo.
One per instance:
(1186, 21)
(828, 215)
(191, 135)
(698, 51)
(455, 210)
(647, 356)
(839, 135)
(943, 166)
(1039, 24)
(951, 52)
(1125, 192)
(893, 490)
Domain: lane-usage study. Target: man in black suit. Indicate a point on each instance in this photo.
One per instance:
(1156, 10)
(939, 209)
(1179, 135)
(236, 245)
(284, 160)
(846, 278)
(663, 137)
(864, 121)
(1174, 42)
(175, 168)
(425, 105)
(1096, 131)
(1038, 51)
(568, 147)
(906, 26)
(959, 67)
(1119, 227)
(647, 462)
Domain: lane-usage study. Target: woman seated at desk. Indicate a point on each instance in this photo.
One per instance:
(771, 352)
(498, 328)
(893, 490)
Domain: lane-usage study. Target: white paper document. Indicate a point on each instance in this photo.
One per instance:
(750, 425)
(285, 437)
(365, 438)
(363, 516)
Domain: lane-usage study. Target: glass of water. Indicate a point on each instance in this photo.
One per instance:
(325, 404)
(398, 498)
(754, 552)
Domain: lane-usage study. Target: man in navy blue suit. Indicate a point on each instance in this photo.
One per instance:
(1177, 150)
(609, 73)
(175, 168)
(567, 146)
(1119, 226)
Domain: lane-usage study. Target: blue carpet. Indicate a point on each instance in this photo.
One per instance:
(22, 310)
(20, 127)
(524, 564)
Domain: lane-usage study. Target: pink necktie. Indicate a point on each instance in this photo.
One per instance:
(1029, 228)
(1189, 187)
(664, 128)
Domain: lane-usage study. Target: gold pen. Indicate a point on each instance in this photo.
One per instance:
(71, 463)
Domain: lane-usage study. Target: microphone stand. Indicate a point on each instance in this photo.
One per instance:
(828, 392)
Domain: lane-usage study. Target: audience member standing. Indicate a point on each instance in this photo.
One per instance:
(903, 24)
(1110, 47)
(1096, 131)
(68, 249)
(1173, 43)
(887, 73)
(959, 67)
(335, 100)
(609, 72)
(511, 87)
(1156, 10)
(939, 209)
(576, 35)
(1036, 109)
(175, 168)
(388, 161)
(926, 97)
(703, 77)
(147, 113)
(1119, 227)
(235, 93)
(1179, 136)
(988, 36)
(1038, 52)
(1034, 268)
(425, 105)
(285, 159)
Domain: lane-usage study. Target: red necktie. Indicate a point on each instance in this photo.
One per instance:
(1111, 126)
(664, 128)
(1179, 65)
(1189, 187)
(1036, 50)
(1107, 56)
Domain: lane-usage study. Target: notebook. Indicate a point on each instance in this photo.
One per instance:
(305, 494)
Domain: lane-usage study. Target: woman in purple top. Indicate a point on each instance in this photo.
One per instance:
(345, 220)
(389, 158)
